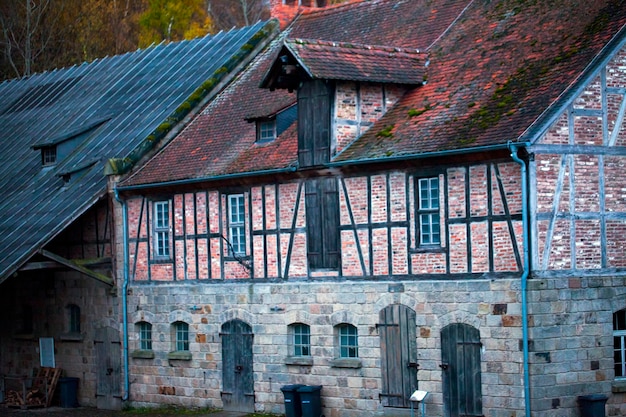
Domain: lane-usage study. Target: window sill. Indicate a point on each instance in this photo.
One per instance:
(428, 249)
(142, 354)
(346, 363)
(71, 337)
(299, 360)
(179, 355)
(619, 386)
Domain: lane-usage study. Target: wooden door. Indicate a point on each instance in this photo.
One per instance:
(108, 368)
(398, 355)
(460, 363)
(237, 372)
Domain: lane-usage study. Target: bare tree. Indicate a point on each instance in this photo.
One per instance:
(227, 14)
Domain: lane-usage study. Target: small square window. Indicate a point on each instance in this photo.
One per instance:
(49, 155)
(348, 341)
(266, 130)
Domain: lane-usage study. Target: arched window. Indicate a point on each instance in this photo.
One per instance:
(300, 335)
(144, 331)
(180, 336)
(347, 341)
(619, 343)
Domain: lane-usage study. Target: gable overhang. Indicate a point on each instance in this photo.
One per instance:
(56, 260)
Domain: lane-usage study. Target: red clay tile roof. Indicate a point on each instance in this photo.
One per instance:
(496, 68)
(355, 62)
(494, 73)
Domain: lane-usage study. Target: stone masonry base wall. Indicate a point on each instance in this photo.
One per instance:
(491, 306)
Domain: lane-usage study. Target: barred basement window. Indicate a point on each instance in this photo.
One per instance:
(429, 226)
(619, 344)
(145, 335)
(348, 341)
(181, 336)
(301, 339)
(74, 318)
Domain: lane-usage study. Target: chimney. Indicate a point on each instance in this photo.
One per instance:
(286, 10)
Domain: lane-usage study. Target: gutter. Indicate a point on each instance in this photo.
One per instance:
(524, 279)
(450, 152)
(125, 295)
(207, 179)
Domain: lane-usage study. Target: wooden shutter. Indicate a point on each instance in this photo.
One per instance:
(313, 123)
(460, 356)
(322, 216)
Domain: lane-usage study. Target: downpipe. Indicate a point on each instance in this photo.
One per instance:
(125, 295)
(524, 278)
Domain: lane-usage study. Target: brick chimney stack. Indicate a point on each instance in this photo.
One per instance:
(286, 10)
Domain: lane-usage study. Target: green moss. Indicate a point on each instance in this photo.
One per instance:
(418, 112)
(385, 132)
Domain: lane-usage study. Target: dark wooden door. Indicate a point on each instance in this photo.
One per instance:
(108, 368)
(460, 362)
(398, 355)
(237, 372)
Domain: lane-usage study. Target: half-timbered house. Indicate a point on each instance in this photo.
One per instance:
(394, 196)
(65, 135)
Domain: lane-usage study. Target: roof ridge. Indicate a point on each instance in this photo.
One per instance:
(308, 11)
(352, 45)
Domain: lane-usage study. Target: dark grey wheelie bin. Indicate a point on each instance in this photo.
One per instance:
(311, 400)
(293, 408)
(592, 405)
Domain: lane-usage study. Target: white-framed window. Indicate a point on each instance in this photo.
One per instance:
(236, 224)
(429, 223)
(619, 344)
(348, 341)
(181, 336)
(266, 130)
(144, 330)
(301, 339)
(162, 229)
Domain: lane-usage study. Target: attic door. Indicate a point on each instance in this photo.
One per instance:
(398, 355)
(237, 376)
(313, 123)
(108, 368)
(460, 362)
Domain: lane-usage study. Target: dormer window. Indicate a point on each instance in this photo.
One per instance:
(49, 155)
(266, 130)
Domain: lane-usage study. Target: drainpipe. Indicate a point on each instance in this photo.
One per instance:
(125, 294)
(514, 149)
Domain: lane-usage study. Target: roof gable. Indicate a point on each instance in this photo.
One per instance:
(326, 60)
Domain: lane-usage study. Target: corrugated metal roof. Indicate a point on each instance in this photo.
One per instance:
(99, 111)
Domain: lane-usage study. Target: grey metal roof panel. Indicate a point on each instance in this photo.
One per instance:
(108, 107)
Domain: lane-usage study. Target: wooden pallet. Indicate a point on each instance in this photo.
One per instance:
(40, 392)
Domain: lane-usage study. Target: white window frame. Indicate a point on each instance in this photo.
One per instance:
(237, 224)
(162, 231)
(266, 130)
(429, 219)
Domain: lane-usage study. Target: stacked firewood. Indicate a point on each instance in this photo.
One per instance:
(34, 397)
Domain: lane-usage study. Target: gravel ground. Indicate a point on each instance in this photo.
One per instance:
(92, 412)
